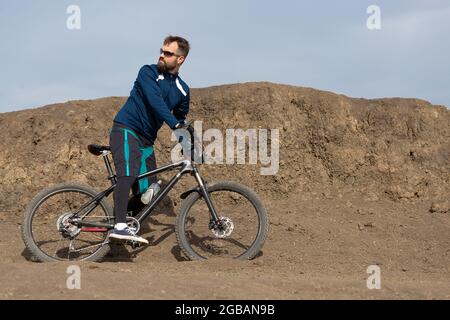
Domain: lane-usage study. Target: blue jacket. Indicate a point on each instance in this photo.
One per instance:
(154, 99)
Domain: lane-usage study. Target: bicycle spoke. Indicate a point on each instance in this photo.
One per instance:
(57, 245)
(243, 225)
(88, 247)
(55, 212)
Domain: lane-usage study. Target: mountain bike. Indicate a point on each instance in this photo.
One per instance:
(70, 221)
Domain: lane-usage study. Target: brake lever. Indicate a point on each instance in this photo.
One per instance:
(187, 124)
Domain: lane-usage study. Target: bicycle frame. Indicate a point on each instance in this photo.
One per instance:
(186, 166)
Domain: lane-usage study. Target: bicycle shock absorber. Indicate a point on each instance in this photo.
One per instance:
(212, 224)
(204, 192)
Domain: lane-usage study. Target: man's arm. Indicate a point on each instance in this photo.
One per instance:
(152, 93)
(181, 110)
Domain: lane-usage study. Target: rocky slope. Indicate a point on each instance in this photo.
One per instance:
(396, 148)
(360, 182)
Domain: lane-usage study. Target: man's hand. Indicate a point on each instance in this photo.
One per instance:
(179, 125)
(185, 125)
(188, 126)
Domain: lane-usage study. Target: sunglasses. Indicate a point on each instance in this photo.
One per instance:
(168, 53)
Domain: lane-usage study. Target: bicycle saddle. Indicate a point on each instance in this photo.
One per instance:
(96, 149)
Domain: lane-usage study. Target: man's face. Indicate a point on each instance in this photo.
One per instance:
(170, 62)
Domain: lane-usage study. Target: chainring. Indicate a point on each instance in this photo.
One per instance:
(134, 224)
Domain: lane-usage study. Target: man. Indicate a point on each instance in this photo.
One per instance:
(158, 95)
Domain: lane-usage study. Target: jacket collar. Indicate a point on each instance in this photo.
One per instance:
(171, 76)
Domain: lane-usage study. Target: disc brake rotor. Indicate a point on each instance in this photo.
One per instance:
(224, 228)
(67, 229)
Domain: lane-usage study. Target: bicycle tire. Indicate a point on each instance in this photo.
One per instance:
(263, 228)
(40, 198)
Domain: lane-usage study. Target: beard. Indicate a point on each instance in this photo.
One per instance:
(163, 67)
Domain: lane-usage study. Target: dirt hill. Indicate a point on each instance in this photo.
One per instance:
(360, 182)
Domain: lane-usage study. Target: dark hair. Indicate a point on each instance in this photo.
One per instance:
(183, 44)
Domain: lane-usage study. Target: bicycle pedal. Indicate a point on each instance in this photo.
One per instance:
(134, 244)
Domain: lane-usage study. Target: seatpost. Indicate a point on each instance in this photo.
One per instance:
(111, 176)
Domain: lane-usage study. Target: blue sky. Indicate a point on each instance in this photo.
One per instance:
(320, 44)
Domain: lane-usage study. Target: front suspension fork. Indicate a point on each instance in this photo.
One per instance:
(204, 192)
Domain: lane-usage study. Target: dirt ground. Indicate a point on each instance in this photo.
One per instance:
(318, 248)
(361, 183)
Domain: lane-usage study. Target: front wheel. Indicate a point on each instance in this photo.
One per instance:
(243, 228)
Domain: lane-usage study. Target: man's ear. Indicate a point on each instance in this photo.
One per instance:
(181, 59)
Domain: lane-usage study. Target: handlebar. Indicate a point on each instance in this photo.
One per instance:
(187, 125)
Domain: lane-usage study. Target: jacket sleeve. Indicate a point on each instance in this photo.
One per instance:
(152, 93)
(181, 110)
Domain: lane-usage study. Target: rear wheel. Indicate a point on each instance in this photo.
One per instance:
(49, 233)
(241, 233)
